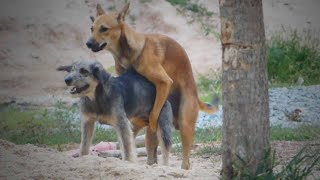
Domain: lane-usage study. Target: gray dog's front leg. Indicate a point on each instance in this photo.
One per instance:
(126, 139)
(87, 130)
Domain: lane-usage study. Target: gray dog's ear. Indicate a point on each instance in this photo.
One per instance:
(64, 68)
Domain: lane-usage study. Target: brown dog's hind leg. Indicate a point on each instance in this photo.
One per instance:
(187, 121)
(158, 76)
(151, 146)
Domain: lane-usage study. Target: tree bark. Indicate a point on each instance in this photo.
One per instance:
(245, 86)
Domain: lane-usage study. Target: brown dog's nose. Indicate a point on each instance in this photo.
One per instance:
(68, 81)
(89, 44)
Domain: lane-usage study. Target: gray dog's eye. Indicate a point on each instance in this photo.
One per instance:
(83, 71)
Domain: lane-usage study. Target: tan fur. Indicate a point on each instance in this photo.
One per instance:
(162, 61)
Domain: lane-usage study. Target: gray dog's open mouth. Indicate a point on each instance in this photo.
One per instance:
(77, 90)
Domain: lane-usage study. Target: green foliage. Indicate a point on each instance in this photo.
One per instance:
(145, 1)
(263, 171)
(301, 166)
(292, 55)
(199, 14)
(199, 9)
(179, 2)
(208, 89)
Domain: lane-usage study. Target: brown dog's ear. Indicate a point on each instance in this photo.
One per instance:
(92, 18)
(100, 11)
(123, 13)
(64, 68)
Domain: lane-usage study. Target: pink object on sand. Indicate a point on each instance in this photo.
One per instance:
(105, 146)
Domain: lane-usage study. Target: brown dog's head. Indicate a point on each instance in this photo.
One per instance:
(106, 29)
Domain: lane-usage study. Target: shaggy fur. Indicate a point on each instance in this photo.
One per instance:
(115, 100)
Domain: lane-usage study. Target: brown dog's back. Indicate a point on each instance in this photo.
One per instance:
(176, 63)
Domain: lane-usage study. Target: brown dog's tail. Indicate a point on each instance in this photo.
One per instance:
(210, 108)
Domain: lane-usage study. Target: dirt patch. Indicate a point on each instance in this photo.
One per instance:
(32, 162)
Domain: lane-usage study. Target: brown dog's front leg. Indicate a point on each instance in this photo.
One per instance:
(158, 76)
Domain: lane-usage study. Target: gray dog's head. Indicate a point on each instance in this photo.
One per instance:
(81, 78)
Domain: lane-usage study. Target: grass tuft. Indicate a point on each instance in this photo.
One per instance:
(300, 167)
(293, 56)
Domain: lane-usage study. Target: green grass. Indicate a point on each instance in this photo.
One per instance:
(214, 134)
(209, 150)
(46, 127)
(301, 133)
(58, 126)
(292, 55)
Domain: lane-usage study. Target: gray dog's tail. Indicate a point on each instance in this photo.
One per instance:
(165, 125)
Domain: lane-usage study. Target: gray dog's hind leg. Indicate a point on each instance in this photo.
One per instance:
(165, 132)
(126, 140)
(87, 131)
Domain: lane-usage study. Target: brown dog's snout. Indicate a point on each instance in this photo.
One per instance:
(68, 80)
(92, 43)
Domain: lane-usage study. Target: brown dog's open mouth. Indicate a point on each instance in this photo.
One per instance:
(77, 90)
(101, 47)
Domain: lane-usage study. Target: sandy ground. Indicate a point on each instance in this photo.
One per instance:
(32, 162)
(38, 35)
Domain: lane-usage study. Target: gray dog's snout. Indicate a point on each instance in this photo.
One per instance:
(68, 80)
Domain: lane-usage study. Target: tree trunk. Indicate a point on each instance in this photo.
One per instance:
(245, 86)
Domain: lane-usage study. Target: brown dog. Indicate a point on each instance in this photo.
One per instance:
(162, 61)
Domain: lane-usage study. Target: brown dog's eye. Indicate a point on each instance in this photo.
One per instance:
(91, 29)
(103, 29)
(83, 71)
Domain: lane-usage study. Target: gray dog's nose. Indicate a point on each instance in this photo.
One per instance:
(68, 80)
